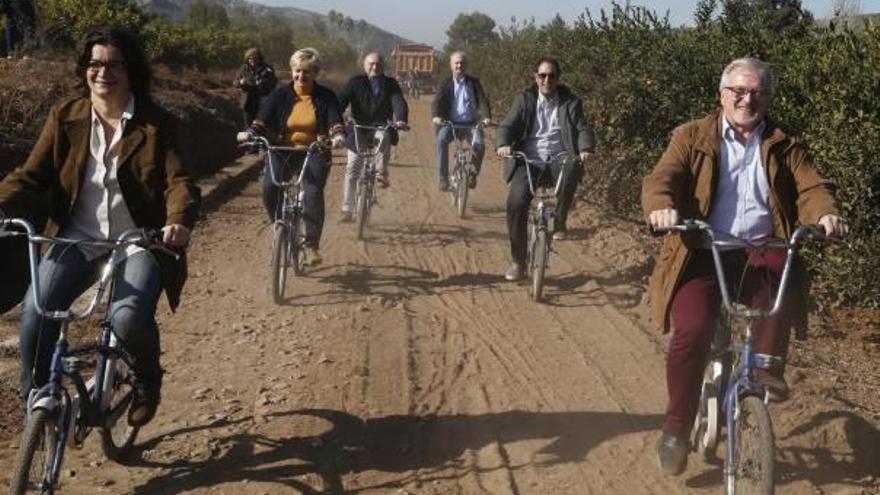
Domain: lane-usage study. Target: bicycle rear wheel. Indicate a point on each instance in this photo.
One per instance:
(37, 454)
(117, 436)
(362, 210)
(753, 461)
(538, 264)
(461, 194)
(280, 257)
(297, 244)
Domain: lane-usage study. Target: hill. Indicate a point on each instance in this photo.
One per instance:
(359, 34)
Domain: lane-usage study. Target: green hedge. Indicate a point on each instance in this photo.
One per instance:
(640, 78)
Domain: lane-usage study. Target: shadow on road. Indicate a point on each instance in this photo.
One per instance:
(432, 446)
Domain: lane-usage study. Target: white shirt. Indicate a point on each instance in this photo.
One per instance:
(100, 211)
(462, 102)
(545, 137)
(741, 206)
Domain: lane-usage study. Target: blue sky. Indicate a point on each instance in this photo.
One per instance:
(426, 20)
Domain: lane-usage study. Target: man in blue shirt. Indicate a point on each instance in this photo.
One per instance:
(461, 100)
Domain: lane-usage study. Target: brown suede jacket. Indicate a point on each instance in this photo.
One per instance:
(154, 182)
(685, 178)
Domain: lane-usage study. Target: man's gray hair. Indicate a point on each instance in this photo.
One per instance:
(381, 57)
(458, 53)
(759, 67)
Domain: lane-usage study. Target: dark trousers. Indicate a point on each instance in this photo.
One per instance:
(314, 179)
(519, 198)
(694, 315)
(65, 274)
(445, 135)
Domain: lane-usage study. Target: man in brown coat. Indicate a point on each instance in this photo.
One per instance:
(740, 171)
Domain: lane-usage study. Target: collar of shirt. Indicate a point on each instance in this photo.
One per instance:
(98, 137)
(375, 85)
(729, 134)
(543, 99)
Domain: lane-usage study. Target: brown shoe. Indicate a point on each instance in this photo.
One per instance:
(311, 256)
(143, 406)
(383, 182)
(560, 235)
(777, 389)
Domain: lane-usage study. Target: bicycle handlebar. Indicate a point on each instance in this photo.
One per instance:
(150, 239)
(720, 240)
(561, 157)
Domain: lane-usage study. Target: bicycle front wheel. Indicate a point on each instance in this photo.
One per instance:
(753, 461)
(539, 263)
(117, 436)
(280, 247)
(461, 194)
(297, 244)
(361, 211)
(37, 454)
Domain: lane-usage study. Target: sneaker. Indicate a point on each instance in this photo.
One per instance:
(672, 453)
(383, 182)
(311, 256)
(777, 389)
(346, 217)
(143, 406)
(443, 186)
(560, 235)
(472, 181)
(515, 272)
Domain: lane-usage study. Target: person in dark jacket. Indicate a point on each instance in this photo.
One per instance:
(544, 120)
(460, 99)
(296, 115)
(20, 23)
(105, 163)
(255, 79)
(375, 99)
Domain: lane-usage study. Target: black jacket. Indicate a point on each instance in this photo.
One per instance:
(577, 135)
(367, 109)
(443, 100)
(272, 119)
(260, 80)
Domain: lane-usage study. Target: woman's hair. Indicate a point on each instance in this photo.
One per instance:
(255, 53)
(308, 56)
(136, 66)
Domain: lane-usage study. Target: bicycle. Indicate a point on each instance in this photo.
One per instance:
(543, 218)
(52, 414)
(463, 172)
(366, 185)
(289, 234)
(730, 395)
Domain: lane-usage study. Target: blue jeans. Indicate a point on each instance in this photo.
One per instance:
(65, 274)
(314, 179)
(445, 136)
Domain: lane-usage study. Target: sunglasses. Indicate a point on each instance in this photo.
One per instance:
(546, 75)
(115, 66)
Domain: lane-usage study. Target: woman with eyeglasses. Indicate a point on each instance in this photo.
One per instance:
(106, 162)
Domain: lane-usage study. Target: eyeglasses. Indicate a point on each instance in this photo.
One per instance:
(546, 75)
(115, 66)
(742, 92)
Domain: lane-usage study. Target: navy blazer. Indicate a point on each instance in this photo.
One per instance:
(443, 100)
(368, 109)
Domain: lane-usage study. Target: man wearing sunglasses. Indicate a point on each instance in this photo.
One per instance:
(546, 119)
(747, 176)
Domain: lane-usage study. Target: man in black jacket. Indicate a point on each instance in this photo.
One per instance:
(544, 120)
(375, 99)
(460, 99)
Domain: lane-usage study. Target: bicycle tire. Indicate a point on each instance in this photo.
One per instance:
(361, 212)
(539, 263)
(461, 195)
(754, 452)
(117, 436)
(296, 245)
(39, 443)
(279, 262)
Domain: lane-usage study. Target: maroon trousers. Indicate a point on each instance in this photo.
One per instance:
(754, 277)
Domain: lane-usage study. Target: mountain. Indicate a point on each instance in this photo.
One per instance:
(361, 35)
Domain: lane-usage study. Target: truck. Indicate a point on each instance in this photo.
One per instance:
(414, 66)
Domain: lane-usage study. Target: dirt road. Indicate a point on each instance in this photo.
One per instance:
(405, 364)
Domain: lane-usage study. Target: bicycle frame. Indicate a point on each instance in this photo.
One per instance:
(544, 214)
(741, 382)
(53, 396)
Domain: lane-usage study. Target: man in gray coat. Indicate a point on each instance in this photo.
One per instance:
(544, 120)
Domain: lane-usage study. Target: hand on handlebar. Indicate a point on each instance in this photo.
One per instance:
(175, 235)
(437, 121)
(401, 125)
(834, 226)
(503, 151)
(664, 218)
(337, 141)
(243, 136)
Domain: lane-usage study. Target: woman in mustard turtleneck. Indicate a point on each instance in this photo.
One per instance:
(296, 115)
